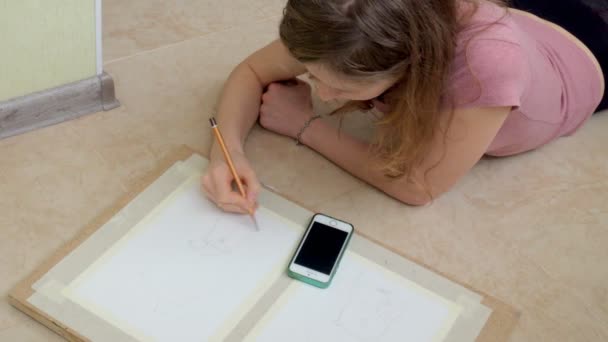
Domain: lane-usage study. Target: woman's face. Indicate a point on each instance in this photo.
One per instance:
(332, 86)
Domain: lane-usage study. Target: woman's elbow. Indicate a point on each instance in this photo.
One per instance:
(416, 201)
(416, 196)
(413, 198)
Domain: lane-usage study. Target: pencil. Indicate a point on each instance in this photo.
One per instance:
(228, 158)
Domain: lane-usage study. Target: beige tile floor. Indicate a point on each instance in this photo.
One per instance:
(531, 230)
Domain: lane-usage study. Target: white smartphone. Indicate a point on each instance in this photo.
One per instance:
(320, 251)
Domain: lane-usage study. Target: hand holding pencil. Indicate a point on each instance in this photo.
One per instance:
(226, 168)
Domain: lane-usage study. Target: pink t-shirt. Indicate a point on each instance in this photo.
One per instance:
(552, 85)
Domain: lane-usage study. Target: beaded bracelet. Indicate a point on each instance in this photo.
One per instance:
(308, 122)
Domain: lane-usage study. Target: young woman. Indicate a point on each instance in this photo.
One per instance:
(454, 79)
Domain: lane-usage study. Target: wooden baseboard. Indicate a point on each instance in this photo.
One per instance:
(49, 107)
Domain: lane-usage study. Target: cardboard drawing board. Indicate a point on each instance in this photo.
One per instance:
(165, 264)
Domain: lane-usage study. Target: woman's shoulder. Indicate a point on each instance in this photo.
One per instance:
(490, 66)
(488, 21)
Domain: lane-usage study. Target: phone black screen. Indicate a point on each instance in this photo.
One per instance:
(321, 248)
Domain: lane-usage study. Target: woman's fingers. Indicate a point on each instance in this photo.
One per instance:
(225, 205)
(234, 199)
(233, 208)
(253, 186)
(224, 193)
(217, 184)
(207, 187)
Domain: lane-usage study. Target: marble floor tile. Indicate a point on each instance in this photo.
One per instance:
(29, 331)
(170, 94)
(136, 26)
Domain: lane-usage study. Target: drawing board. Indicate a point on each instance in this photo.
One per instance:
(164, 264)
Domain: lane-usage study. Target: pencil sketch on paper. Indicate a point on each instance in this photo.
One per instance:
(369, 315)
(217, 241)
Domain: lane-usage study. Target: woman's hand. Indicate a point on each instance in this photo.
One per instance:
(286, 107)
(218, 182)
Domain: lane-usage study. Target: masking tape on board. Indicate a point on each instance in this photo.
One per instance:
(52, 289)
(468, 305)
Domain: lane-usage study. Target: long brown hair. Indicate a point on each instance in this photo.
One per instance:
(412, 41)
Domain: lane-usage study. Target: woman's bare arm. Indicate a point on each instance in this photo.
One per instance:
(239, 103)
(470, 133)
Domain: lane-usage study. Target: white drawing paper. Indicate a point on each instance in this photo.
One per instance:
(364, 303)
(188, 272)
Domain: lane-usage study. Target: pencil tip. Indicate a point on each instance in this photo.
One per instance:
(212, 122)
(255, 222)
